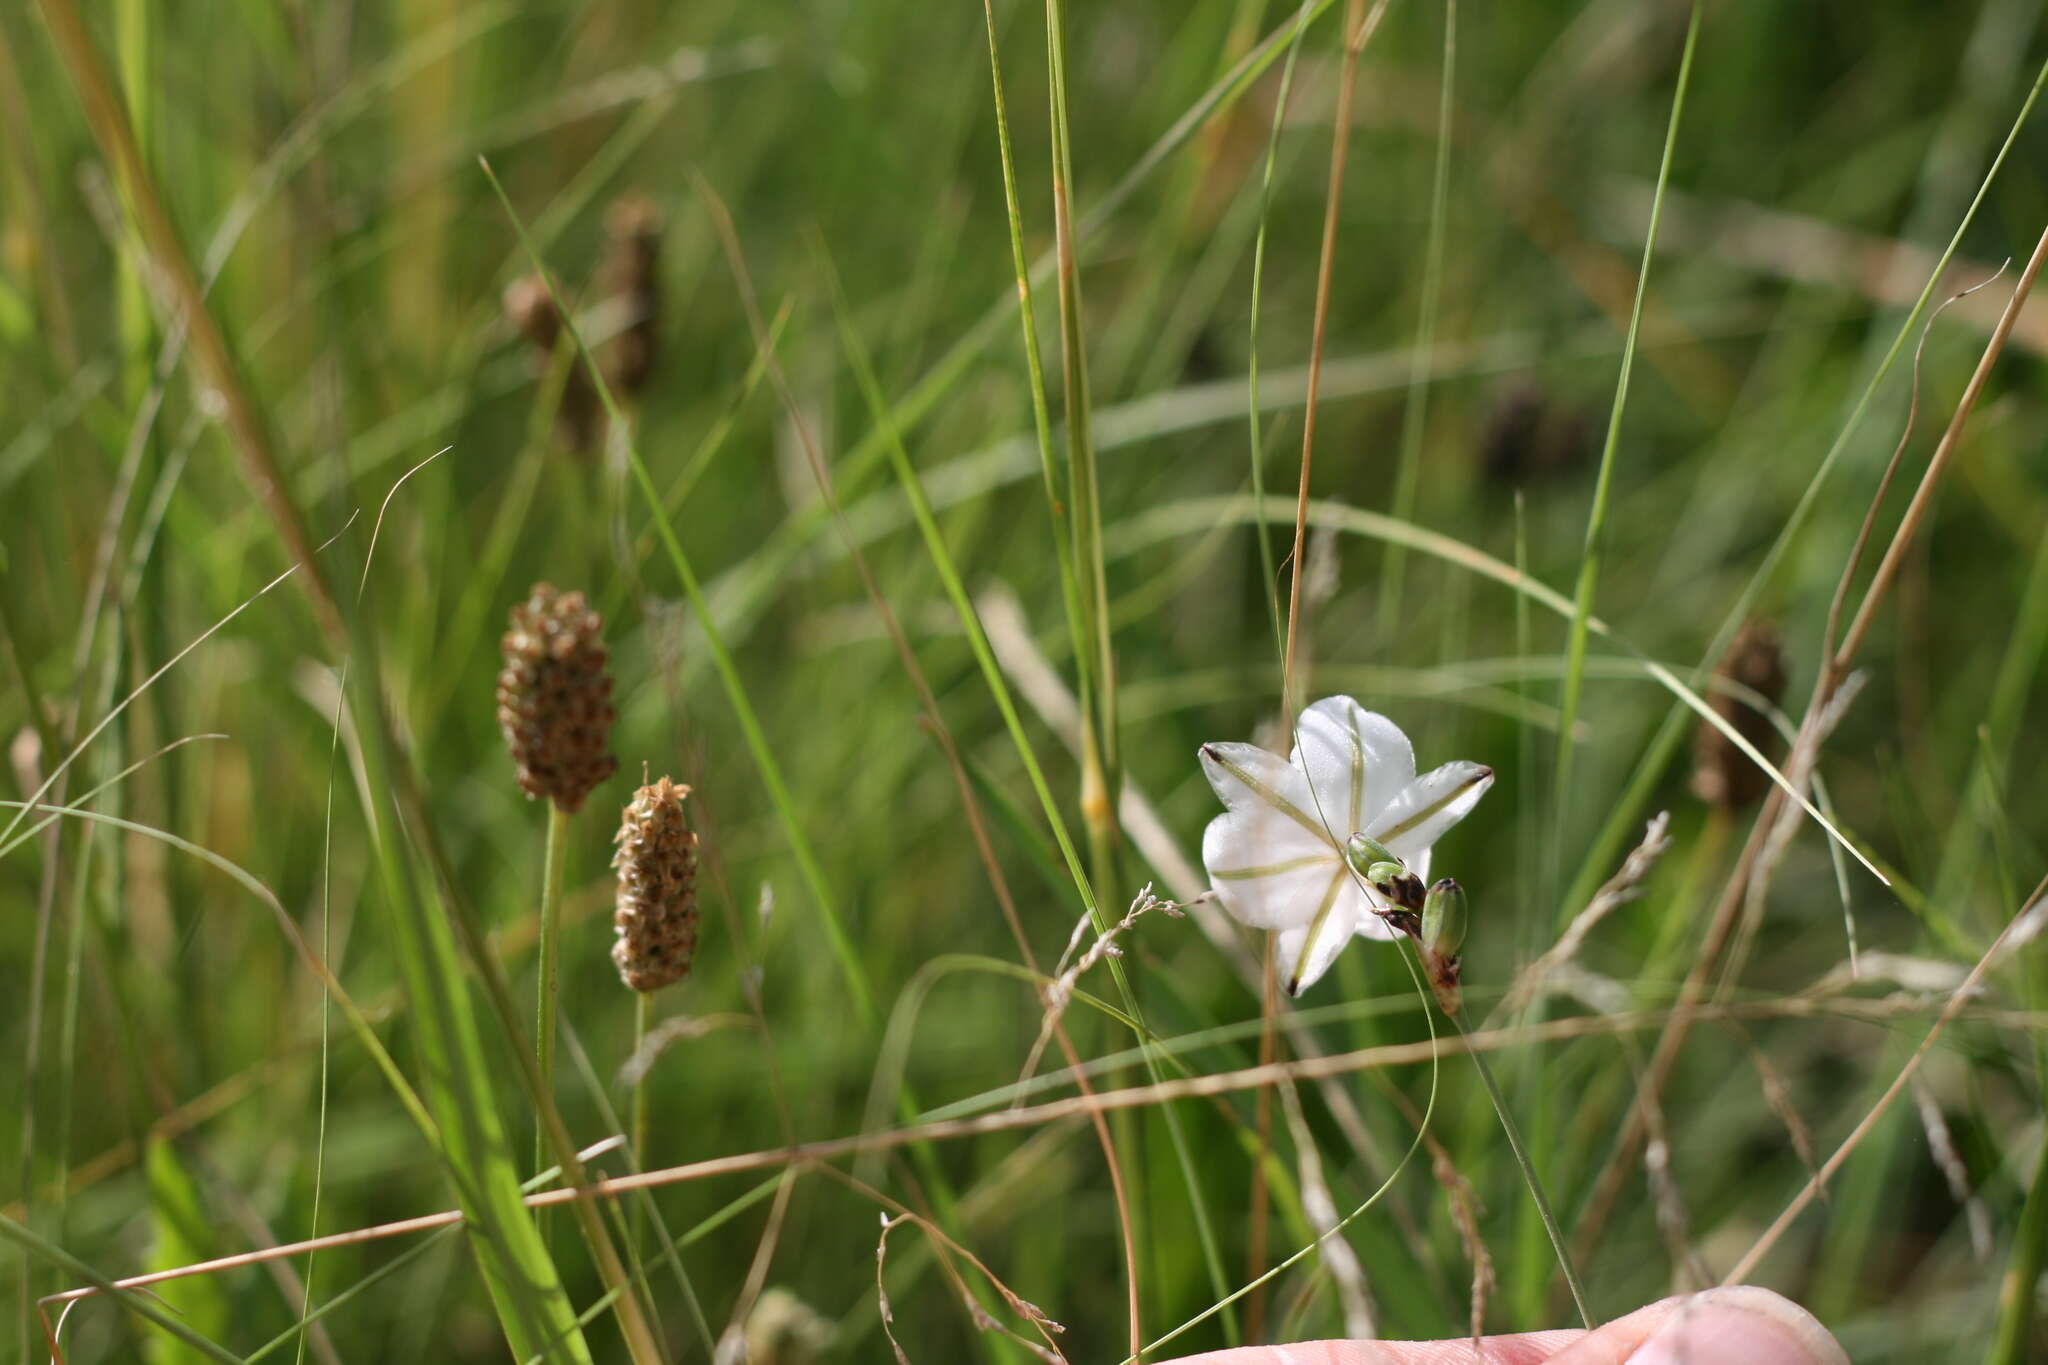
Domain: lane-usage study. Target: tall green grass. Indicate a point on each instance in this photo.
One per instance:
(1011, 295)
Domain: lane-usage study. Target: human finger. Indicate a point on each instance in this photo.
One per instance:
(1525, 1348)
(1738, 1325)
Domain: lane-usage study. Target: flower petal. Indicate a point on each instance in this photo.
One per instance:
(1306, 951)
(1271, 797)
(1357, 761)
(1426, 807)
(1261, 886)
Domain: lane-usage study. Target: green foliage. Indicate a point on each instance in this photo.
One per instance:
(183, 1233)
(1089, 589)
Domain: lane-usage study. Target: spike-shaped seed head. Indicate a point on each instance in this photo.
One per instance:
(1531, 435)
(555, 697)
(630, 275)
(531, 312)
(657, 907)
(1722, 774)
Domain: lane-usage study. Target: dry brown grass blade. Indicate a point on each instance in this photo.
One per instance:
(1624, 886)
(1937, 464)
(757, 1273)
(1079, 1106)
(947, 1248)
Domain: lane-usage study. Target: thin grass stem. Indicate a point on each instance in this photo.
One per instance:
(1529, 1173)
(1596, 520)
(1415, 412)
(549, 988)
(643, 1019)
(2016, 1291)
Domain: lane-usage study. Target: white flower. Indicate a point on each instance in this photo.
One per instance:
(1276, 855)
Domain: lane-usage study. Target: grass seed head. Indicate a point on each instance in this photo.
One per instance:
(656, 916)
(1529, 435)
(630, 274)
(1722, 774)
(555, 697)
(530, 311)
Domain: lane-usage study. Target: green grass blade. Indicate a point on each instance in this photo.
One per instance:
(1596, 521)
(1415, 411)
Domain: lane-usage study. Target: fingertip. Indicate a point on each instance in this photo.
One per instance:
(1527, 1348)
(1737, 1325)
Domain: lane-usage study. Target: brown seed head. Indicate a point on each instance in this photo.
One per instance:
(630, 276)
(657, 906)
(1530, 435)
(555, 697)
(532, 313)
(1722, 774)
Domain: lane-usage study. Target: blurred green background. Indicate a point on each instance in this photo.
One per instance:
(321, 164)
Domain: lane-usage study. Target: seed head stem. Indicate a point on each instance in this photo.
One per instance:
(550, 969)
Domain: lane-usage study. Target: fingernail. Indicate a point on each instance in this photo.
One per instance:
(1740, 1323)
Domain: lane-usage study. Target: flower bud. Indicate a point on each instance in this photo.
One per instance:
(1443, 919)
(656, 915)
(1382, 876)
(1364, 853)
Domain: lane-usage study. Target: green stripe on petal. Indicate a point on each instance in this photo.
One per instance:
(1434, 808)
(1315, 928)
(1357, 766)
(1269, 796)
(1244, 874)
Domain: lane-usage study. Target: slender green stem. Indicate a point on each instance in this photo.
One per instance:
(1416, 411)
(2016, 1291)
(1529, 1175)
(1095, 666)
(1596, 520)
(550, 972)
(1269, 578)
(643, 1016)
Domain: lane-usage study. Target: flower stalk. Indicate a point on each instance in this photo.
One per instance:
(550, 986)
